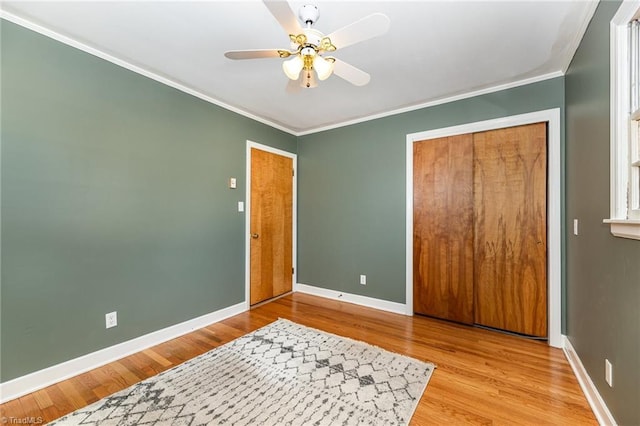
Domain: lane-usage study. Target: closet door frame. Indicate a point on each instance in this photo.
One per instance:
(554, 202)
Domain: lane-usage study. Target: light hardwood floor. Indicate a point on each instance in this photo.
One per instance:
(482, 376)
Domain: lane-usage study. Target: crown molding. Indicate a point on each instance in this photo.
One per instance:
(131, 67)
(585, 19)
(193, 92)
(440, 101)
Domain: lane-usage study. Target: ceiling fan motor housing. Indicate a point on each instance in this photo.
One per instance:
(313, 36)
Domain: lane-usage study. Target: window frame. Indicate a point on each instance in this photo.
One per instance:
(625, 183)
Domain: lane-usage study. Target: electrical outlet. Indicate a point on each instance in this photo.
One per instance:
(111, 319)
(608, 372)
(363, 279)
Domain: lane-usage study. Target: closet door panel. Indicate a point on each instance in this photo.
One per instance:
(510, 226)
(443, 228)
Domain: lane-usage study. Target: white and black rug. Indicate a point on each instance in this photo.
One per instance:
(281, 374)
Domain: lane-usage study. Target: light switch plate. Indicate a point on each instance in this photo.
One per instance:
(233, 183)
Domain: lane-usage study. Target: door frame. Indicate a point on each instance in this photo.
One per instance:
(247, 215)
(554, 205)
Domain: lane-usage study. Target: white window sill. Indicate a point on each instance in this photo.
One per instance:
(625, 228)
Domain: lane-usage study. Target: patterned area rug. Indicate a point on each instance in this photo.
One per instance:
(281, 374)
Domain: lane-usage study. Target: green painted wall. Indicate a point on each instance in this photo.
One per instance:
(603, 272)
(352, 190)
(114, 197)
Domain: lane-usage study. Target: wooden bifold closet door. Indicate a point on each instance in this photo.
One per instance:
(480, 248)
(510, 225)
(443, 228)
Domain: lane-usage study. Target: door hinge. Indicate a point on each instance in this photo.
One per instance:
(293, 172)
(293, 271)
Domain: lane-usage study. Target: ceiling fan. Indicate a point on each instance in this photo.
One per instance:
(307, 58)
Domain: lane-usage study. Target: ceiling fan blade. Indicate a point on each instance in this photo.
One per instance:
(256, 54)
(284, 15)
(350, 73)
(368, 27)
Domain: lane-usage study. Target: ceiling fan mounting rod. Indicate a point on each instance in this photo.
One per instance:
(309, 14)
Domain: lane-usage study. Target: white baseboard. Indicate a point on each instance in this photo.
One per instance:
(384, 305)
(596, 402)
(37, 380)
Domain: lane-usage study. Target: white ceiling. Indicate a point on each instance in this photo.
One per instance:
(434, 50)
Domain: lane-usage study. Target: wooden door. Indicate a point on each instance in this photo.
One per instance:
(271, 225)
(443, 228)
(510, 226)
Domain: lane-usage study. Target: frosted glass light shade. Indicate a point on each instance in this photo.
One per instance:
(323, 67)
(292, 67)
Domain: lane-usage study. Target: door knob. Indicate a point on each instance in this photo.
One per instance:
(254, 236)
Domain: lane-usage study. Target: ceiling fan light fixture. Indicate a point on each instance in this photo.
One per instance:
(292, 67)
(305, 62)
(323, 67)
